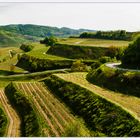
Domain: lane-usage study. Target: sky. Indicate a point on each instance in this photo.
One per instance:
(96, 16)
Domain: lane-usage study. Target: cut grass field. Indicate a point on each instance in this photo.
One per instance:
(39, 51)
(128, 103)
(94, 42)
(53, 115)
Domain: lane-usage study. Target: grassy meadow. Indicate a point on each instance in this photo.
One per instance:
(39, 51)
(94, 42)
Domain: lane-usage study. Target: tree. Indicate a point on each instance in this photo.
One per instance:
(131, 55)
(49, 41)
(26, 47)
(113, 51)
(79, 66)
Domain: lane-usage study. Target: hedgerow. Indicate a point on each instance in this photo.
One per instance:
(34, 64)
(116, 80)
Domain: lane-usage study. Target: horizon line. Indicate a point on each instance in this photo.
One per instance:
(67, 27)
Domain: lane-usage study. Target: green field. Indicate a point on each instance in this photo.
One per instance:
(39, 51)
(6, 61)
(94, 42)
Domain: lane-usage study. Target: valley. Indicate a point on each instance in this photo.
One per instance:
(52, 86)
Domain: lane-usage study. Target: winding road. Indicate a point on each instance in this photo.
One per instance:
(116, 66)
(13, 128)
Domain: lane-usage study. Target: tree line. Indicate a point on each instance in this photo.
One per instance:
(113, 35)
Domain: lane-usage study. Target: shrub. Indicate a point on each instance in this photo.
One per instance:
(79, 66)
(115, 52)
(96, 65)
(49, 41)
(105, 59)
(26, 47)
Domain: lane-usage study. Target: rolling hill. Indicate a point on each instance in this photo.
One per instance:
(8, 39)
(42, 31)
(14, 35)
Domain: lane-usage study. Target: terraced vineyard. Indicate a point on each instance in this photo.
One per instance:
(13, 128)
(129, 103)
(54, 115)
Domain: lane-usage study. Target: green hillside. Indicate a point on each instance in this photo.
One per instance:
(8, 39)
(42, 31)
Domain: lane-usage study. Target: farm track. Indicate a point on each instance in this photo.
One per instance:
(129, 103)
(13, 128)
(48, 106)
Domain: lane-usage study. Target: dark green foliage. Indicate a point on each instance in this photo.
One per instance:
(101, 115)
(105, 59)
(26, 47)
(96, 65)
(49, 41)
(124, 82)
(79, 66)
(131, 57)
(3, 123)
(115, 52)
(76, 51)
(34, 64)
(113, 35)
(29, 121)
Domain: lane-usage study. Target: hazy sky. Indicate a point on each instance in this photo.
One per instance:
(99, 16)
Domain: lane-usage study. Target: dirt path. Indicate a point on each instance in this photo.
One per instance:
(79, 42)
(129, 103)
(13, 128)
